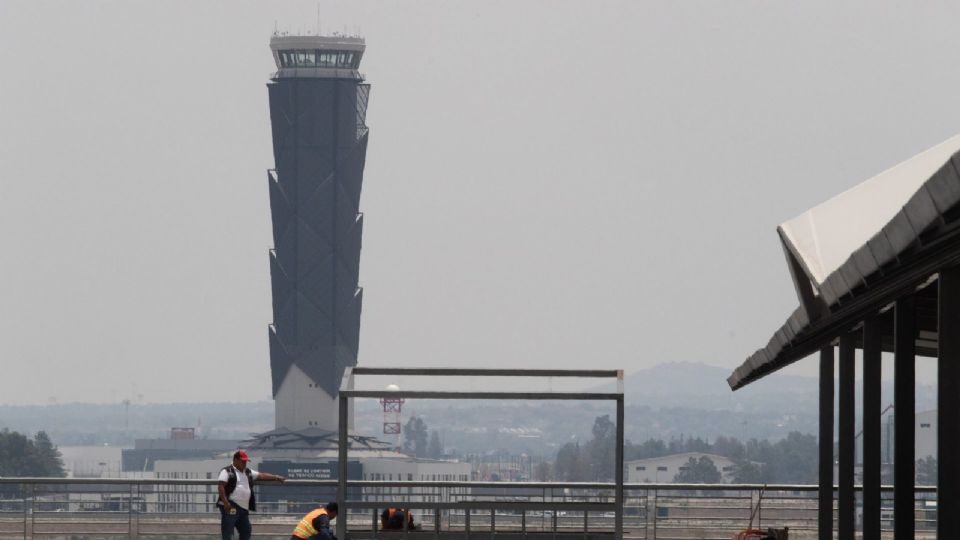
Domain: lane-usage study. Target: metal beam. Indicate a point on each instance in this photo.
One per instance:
(846, 517)
(904, 405)
(825, 502)
(872, 334)
(487, 372)
(425, 394)
(618, 478)
(948, 405)
(342, 467)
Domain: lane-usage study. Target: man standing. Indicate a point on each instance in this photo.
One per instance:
(236, 500)
(316, 524)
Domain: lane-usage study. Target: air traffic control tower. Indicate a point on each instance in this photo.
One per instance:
(318, 103)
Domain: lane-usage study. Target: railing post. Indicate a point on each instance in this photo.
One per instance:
(656, 501)
(586, 516)
(27, 531)
(760, 509)
(33, 509)
(130, 529)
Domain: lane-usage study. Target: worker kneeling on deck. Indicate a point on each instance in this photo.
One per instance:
(316, 524)
(393, 519)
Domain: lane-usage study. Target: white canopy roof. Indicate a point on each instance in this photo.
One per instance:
(824, 237)
(843, 245)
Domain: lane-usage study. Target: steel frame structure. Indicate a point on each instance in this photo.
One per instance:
(347, 392)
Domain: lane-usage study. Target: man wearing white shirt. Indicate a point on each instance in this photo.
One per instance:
(237, 500)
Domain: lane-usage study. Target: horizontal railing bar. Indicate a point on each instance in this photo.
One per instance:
(448, 484)
(486, 372)
(426, 394)
(494, 505)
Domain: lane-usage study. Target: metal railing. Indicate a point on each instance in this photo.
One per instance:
(184, 508)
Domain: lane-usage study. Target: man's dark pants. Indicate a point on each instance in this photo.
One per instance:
(240, 521)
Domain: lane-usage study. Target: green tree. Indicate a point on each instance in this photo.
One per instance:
(600, 450)
(795, 459)
(49, 461)
(648, 449)
(570, 465)
(435, 449)
(698, 471)
(543, 472)
(728, 447)
(415, 437)
(20, 456)
(696, 445)
(748, 472)
(927, 471)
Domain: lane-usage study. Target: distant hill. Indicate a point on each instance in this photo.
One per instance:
(702, 386)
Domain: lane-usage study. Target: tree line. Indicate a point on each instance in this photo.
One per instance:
(793, 459)
(23, 456)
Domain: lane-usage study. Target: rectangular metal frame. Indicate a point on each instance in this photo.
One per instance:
(347, 391)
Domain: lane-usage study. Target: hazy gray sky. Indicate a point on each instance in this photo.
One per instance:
(548, 184)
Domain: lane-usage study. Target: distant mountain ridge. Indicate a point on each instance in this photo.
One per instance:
(704, 386)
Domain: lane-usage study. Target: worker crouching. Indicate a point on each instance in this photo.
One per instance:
(316, 524)
(393, 519)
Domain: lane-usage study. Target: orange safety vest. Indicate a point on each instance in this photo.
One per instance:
(305, 528)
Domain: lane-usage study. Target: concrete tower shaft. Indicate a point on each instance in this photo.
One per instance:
(318, 103)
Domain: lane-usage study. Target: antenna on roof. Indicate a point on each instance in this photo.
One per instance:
(318, 18)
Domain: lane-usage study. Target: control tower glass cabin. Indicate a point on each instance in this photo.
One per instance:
(318, 104)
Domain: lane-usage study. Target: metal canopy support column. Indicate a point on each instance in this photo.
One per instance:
(872, 333)
(948, 404)
(825, 508)
(846, 433)
(904, 379)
